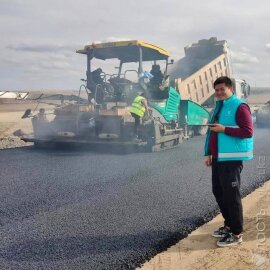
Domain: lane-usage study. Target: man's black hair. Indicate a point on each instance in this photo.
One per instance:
(224, 79)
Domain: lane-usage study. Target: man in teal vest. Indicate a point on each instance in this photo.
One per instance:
(137, 110)
(228, 143)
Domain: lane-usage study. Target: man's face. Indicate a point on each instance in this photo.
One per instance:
(222, 91)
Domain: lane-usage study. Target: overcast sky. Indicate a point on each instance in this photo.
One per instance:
(39, 37)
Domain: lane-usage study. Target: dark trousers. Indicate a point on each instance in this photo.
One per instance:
(226, 189)
(137, 123)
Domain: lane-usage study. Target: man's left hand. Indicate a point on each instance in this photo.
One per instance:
(217, 128)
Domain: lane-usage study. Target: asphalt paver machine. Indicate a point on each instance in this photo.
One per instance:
(103, 116)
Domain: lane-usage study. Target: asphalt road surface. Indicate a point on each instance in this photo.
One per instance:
(97, 210)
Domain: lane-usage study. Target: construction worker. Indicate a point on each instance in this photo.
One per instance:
(96, 76)
(39, 122)
(41, 116)
(93, 82)
(158, 76)
(138, 108)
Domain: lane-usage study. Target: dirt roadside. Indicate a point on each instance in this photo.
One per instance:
(199, 250)
(10, 118)
(10, 121)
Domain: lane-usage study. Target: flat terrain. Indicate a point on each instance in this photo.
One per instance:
(10, 114)
(258, 99)
(103, 210)
(71, 209)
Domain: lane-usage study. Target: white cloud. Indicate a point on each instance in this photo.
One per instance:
(243, 57)
(108, 39)
(245, 50)
(41, 48)
(40, 37)
(112, 39)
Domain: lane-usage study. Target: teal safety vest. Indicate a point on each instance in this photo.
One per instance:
(229, 147)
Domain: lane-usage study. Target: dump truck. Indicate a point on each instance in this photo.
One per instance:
(103, 118)
(263, 116)
(203, 62)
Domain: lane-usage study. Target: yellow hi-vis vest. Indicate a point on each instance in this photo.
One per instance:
(137, 106)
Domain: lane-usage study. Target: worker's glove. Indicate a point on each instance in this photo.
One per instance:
(147, 116)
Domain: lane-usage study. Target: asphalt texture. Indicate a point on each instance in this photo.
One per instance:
(71, 209)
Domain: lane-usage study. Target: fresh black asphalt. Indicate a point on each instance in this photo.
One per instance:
(71, 209)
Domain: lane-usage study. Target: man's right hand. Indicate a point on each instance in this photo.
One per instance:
(208, 161)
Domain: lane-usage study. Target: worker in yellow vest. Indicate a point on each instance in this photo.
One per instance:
(137, 110)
